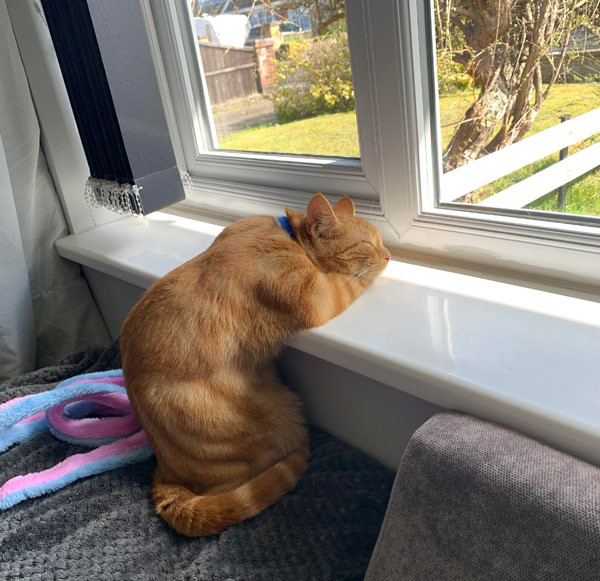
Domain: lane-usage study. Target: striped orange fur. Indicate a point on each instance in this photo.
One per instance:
(198, 351)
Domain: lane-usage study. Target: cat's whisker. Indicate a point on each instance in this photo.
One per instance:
(359, 274)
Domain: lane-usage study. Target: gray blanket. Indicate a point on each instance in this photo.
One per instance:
(103, 527)
(473, 500)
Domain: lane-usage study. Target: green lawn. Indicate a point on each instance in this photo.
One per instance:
(336, 135)
(333, 135)
(573, 98)
(583, 195)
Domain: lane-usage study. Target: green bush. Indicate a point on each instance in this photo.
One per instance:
(451, 76)
(314, 78)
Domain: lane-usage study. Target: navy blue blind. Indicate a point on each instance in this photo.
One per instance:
(85, 79)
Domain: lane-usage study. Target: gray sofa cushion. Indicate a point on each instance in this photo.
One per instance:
(474, 500)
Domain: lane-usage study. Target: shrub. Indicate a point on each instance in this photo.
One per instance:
(451, 76)
(315, 78)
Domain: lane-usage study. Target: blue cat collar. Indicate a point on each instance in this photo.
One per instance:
(284, 223)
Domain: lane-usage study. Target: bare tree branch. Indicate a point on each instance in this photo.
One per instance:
(504, 44)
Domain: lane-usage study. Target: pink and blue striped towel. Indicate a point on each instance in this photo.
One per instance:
(91, 410)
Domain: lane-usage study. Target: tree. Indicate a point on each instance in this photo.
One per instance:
(502, 44)
(323, 12)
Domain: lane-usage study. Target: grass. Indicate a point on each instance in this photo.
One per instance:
(336, 135)
(332, 135)
(572, 98)
(583, 197)
(583, 194)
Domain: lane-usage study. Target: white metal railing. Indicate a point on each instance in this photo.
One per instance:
(480, 172)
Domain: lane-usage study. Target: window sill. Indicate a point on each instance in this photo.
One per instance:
(522, 357)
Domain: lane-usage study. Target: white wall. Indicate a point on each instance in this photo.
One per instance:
(369, 415)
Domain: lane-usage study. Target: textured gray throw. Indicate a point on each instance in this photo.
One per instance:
(103, 528)
(477, 501)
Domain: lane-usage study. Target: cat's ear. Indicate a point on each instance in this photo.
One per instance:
(344, 206)
(320, 216)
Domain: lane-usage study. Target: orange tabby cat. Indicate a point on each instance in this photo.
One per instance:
(198, 352)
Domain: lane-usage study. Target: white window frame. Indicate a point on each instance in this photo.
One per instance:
(216, 170)
(395, 185)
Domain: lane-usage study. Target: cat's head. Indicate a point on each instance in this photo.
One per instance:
(337, 241)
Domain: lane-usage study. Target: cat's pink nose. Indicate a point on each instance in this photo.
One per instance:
(387, 257)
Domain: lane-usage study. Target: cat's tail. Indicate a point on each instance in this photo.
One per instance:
(196, 516)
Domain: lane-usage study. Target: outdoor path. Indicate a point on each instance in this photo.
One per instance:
(237, 115)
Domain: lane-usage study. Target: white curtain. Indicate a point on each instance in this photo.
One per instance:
(46, 308)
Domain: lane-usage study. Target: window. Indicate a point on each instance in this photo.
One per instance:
(519, 106)
(275, 83)
(296, 136)
(404, 124)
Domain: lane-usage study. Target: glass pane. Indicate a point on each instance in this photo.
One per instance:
(278, 75)
(519, 102)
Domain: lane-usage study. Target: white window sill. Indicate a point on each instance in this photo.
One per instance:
(525, 358)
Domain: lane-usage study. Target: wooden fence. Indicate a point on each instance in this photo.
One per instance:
(478, 173)
(230, 72)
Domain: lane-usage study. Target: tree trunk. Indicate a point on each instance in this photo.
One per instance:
(508, 40)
